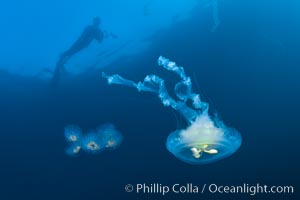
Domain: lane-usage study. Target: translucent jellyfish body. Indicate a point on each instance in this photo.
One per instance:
(203, 142)
(205, 139)
(94, 142)
(111, 138)
(73, 135)
(73, 150)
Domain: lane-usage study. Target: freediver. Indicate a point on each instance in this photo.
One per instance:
(90, 33)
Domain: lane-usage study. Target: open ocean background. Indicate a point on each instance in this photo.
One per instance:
(247, 70)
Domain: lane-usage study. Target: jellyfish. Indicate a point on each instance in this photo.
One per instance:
(92, 143)
(103, 138)
(73, 133)
(73, 150)
(73, 136)
(206, 139)
(111, 138)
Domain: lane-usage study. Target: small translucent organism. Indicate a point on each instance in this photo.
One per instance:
(94, 142)
(73, 150)
(206, 139)
(73, 135)
(111, 138)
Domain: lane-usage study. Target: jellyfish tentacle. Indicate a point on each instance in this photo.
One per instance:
(183, 89)
(116, 79)
(155, 84)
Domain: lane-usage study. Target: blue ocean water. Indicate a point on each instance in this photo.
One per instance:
(247, 70)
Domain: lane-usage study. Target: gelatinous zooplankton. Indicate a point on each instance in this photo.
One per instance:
(206, 139)
(103, 138)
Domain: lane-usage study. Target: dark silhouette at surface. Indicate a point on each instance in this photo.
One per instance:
(90, 33)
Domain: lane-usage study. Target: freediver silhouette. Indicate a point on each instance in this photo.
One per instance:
(90, 33)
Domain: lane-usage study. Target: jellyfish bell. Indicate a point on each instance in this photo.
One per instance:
(203, 142)
(111, 137)
(73, 150)
(73, 133)
(92, 143)
(111, 144)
